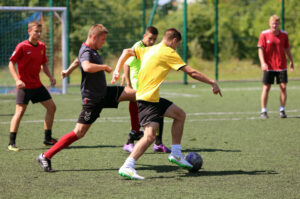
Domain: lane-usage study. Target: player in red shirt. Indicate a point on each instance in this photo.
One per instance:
(273, 46)
(30, 55)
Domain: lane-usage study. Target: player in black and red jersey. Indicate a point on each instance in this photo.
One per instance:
(30, 55)
(96, 95)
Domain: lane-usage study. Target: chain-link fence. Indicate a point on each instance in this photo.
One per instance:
(239, 25)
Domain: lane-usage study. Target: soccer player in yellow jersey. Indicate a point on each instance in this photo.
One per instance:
(131, 71)
(158, 60)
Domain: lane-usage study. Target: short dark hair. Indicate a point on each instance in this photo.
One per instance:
(152, 30)
(172, 33)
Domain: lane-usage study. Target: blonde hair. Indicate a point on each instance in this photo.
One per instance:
(274, 18)
(97, 29)
(33, 24)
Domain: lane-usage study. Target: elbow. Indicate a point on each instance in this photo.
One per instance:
(193, 74)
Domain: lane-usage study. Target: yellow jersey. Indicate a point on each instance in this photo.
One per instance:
(156, 62)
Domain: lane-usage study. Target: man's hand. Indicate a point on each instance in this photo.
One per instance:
(216, 89)
(108, 69)
(20, 84)
(264, 67)
(115, 77)
(64, 74)
(291, 66)
(52, 81)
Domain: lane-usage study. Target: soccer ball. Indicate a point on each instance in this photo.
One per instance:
(194, 159)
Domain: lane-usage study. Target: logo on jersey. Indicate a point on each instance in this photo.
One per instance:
(87, 116)
(28, 53)
(42, 52)
(268, 41)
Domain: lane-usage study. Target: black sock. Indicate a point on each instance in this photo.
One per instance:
(12, 138)
(48, 134)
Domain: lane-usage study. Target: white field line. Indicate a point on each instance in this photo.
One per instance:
(125, 119)
(174, 94)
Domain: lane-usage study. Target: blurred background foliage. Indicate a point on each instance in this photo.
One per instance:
(240, 24)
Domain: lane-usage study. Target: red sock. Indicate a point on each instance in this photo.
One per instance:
(62, 143)
(134, 118)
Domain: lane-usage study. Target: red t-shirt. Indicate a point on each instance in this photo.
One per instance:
(29, 59)
(274, 49)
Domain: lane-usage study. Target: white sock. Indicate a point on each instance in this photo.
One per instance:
(176, 149)
(264, 110)
(281, 108)
(129, 162)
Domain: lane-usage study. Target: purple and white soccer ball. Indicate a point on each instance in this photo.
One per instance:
(194, 159)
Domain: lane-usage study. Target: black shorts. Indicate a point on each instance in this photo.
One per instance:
(91, 109)
(35, 95)
(269, 76)
(152, 111)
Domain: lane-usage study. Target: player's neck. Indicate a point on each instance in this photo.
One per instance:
(275, 32)
(32, 41)
(90, 44)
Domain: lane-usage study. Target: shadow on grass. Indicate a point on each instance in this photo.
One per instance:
(297, 117)
(202, 173)
(75, 147)
(93, 147)
(86, 170)
(209, 150)
(9, 114)
(233, 172)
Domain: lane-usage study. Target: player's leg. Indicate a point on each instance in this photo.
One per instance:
(159, 146)
(89, 113)
(135, 133)
(178, 116)
(128, 94)
(48, 122)
(116, 94)
(14, 126)
(282, 81)
(44, 159)
(127, 170)
(43, 96)
(22, 100)
(268, 80)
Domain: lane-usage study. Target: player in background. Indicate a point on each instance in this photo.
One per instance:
(96, 95)
(30, 56)
(131, 71)
(158, 60)
(273, 46)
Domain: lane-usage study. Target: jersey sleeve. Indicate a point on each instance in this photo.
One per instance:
(17, 54)
(287, 43)
(85, 56)
(261, 41)
(140, 51)
(45, 60)
(130, 60)
(174, 60)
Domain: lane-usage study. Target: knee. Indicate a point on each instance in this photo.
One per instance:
(181, 115)
(283, 89)
(150, 137)
(52, 109)
(19, 113)
(79, 134)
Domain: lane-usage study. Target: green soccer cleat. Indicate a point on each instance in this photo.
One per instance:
(13, 147)
(180, 161)
(130, 173)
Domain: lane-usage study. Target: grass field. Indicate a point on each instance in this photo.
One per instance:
(244, 156)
